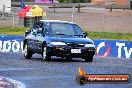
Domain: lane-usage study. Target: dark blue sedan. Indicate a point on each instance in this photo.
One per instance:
(58, 38)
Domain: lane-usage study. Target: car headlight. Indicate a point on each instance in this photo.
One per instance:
(57, 43)
(89, 45)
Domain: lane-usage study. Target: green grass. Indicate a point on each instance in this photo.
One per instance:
(99, 35)
(108, 35)
(12, 31)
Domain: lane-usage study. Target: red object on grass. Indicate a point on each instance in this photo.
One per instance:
(22, 12)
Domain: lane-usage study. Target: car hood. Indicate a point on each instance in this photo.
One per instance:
(69, 39)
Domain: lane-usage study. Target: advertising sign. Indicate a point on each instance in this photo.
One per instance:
(104, 48)
(113, 48)
(11, 43)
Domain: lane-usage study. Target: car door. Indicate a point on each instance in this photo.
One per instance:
(38, 39)
(31, 38)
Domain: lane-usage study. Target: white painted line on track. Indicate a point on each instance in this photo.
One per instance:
(14, 69)
(42, 77)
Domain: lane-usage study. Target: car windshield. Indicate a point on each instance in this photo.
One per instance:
(63, 29)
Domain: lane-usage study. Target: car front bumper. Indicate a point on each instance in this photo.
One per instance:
(64, 51)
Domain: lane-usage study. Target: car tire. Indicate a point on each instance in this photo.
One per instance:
(45, 54)
(88, 58)
(27, 53)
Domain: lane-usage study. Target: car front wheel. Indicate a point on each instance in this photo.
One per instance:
(27, 53)
(46, 55)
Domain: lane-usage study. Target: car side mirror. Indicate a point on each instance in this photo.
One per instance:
(85, 34)
(39, 30)
(26, 33)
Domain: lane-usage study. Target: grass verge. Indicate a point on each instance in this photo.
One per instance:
(108, 35)
(12, 31)
(99, 35)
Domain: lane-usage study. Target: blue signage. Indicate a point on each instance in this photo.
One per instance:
(11, 43)
(104, 48)
(113, 48)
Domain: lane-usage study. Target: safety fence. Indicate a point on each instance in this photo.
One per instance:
(89, 18)
(104, 48)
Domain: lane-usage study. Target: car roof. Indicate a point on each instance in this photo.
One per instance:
(59, 21)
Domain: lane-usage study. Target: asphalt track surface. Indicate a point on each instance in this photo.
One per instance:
(59, 73)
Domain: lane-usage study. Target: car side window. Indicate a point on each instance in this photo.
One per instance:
(37, 25)
(39, 28)
(78, 30)
(47, 28)
(35, 28)
(33, 31)
(43, 28)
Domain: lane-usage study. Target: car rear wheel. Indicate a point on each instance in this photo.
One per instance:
(88, 58)
(27, 53)
(46, 55)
